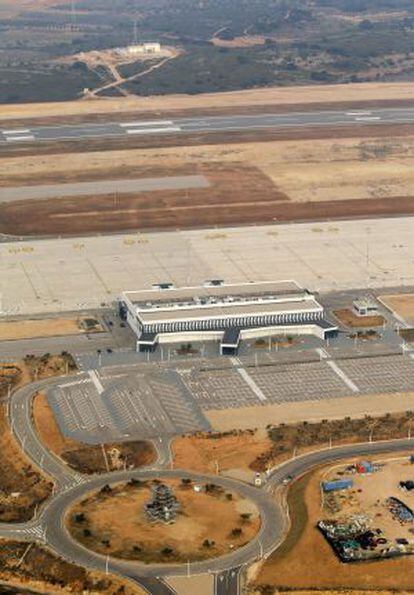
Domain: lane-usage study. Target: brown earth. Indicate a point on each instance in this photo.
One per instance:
(83, 457)
(306, 561)
(87, 215)
(30, 566)
(349, 318)
(28, 329)
(208, 453)
(113, 521)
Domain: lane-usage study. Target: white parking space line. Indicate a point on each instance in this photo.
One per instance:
(94, 377)
(148, 123)
(343, 376)
(153, 130)
(251, 383)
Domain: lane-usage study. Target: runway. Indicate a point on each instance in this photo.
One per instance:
(206, 124)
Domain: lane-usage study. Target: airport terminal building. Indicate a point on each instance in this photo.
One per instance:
(224, 312)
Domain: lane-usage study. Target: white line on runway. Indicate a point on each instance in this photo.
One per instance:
(148, 123)
(19, 138)
(17, 131)
(359, 113)
(343, 376)
(153, 130)
(367, 118)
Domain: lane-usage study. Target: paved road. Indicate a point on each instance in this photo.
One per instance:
(49, 525)
(206, 124)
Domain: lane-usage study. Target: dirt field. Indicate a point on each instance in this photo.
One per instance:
(359, 92)
(306, 561)
(114, 522)
(350, 319)
(29, 329)
(402, 305)
(226, 452)
(250, 182)
(29, 566)
(86, 458)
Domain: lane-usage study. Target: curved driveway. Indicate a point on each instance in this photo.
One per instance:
(49, 525)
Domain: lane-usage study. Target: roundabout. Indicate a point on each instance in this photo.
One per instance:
(174, 520)
(50, 528)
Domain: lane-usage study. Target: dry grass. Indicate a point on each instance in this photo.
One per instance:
(29, 329)
(21, 487)
(118, 518)
(29, 566)
(350, 319)
(304, 170)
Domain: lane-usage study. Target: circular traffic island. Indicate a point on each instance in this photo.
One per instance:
(168, 521)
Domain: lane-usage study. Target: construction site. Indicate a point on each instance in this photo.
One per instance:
(368, 509)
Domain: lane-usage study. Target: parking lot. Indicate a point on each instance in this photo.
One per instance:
(137, 406)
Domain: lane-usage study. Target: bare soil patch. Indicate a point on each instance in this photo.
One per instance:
(401, 304)
(305, 560)
(30, 566)
(350, 319)
(219, 451)
(87, 458)
(208, 523)
(50, 327)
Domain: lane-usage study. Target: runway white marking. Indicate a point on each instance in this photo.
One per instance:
(367, 118)
(17, 131)
(343, 376)
(148, 123)
(153, 130)
(359, 113)
(19, 138)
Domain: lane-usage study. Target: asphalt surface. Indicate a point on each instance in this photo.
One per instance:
(10, 194)
(206, 124)
(48, 527)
